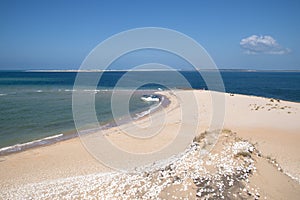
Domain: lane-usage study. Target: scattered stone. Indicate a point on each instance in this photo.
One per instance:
(178, 177)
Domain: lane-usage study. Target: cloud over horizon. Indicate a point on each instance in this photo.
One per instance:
(262, 45)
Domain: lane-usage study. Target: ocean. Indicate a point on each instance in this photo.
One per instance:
(37, 106)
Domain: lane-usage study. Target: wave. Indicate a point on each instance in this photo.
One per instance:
(68, 90)
(85, 90)
(93, 91)
(58, 90)
(150, 98)
(73, 90)
(85, 130)
(27, 145)
(3, 94)
(151, 109)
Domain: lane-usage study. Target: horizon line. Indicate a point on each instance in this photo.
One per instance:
(153, 70)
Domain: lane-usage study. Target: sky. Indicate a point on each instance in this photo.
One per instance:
(58, 34)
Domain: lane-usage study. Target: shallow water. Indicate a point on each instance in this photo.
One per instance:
(35, 105)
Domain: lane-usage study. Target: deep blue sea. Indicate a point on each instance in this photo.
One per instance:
(35, 105)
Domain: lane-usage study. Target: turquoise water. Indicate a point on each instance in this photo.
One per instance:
(35, 105)
(33, 113)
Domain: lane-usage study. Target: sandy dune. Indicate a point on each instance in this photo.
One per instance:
(271, 127)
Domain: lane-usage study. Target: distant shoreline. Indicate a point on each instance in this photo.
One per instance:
(145, 70)
(159, 70)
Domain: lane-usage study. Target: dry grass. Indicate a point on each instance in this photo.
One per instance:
(199, 138)
(243, 154)
(226, 131)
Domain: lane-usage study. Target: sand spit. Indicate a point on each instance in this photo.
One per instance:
(255, 157)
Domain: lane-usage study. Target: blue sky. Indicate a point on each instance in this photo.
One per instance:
(237, 34)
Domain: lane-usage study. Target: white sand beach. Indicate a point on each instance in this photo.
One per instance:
(257, 156)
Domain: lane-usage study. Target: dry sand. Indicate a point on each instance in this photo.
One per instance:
(271, 127)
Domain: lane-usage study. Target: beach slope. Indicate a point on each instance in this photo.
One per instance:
(257, 155)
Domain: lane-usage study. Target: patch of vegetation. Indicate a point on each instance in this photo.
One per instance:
(226, 130)
(243, 154)
(199, 138)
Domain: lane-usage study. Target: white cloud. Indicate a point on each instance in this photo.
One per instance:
(262, 45)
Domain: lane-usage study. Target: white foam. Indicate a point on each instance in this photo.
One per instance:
(19, 147)
(3, 94)
(92, 91)
(151, 109)
(67, 90)
(150, 98)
